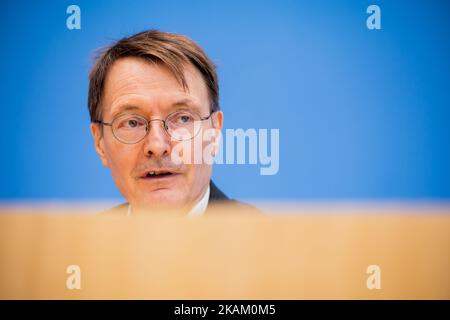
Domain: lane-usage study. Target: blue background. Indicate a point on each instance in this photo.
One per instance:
(363, 114)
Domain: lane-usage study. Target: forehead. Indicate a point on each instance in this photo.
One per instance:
(151, 87)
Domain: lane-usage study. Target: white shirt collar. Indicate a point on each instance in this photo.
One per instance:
(198, 210)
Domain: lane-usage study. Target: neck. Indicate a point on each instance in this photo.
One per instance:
(195, 207)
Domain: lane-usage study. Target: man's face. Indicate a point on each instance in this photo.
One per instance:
(134, 86)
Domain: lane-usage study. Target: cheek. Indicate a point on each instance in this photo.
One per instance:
(198, 176)
(199, 170)
(120, 157)
(200, 150)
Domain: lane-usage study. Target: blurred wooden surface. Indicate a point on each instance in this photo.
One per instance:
(319, 254)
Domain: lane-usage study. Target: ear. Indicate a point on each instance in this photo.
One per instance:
(217, 122)
(97, 133)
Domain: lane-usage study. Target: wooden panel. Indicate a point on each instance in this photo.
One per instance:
(317, 254)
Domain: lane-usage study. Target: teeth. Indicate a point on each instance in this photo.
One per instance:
(154, 173)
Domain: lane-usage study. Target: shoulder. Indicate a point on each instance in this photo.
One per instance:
(219, 201)
(121, 209)
(228, 205)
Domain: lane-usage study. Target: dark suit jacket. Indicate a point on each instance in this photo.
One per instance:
(216, 197)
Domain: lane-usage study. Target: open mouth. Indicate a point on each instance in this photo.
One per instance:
(155, 175)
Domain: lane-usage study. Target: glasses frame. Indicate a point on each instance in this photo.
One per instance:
(147, 125)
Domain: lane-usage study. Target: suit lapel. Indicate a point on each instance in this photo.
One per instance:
(215, 194)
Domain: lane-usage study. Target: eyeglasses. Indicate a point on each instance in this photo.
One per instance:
(132, 128)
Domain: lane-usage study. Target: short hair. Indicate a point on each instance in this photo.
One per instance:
(169, 49)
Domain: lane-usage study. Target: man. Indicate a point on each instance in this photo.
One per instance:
(151, 98)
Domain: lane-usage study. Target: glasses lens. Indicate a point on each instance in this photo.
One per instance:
(183, 125)
(129, 128)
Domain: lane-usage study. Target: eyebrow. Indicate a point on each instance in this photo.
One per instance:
(125, 107)
(186, 103)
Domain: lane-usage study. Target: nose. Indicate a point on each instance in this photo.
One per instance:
(157, 141)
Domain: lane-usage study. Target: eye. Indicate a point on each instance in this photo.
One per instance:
(185, 118)
(181, 119)
(131, 123)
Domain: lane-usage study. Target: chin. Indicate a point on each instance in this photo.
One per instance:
(161, 199)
